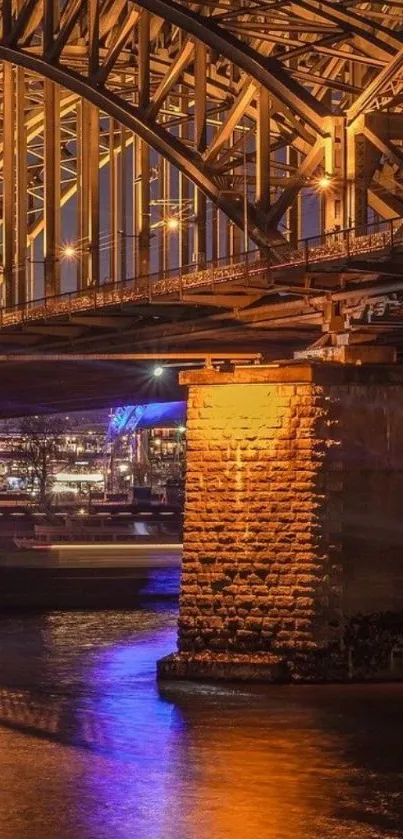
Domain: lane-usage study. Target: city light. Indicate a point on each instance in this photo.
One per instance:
(69, 252)
(158, 371)
(181, 429)
(172, 223)
(324, 182)
(77, 477)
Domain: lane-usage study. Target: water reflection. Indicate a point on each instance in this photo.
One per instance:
(83, 722)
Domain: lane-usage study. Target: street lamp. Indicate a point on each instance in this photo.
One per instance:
(158, 371)
(324, 182)
(69, 252)
(172, 223)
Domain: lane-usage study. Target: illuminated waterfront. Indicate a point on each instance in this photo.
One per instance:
(90, 748)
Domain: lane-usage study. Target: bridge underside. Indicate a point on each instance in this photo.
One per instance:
(40, 387)
(246, 308)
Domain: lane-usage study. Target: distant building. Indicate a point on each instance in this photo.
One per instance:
(102, 452)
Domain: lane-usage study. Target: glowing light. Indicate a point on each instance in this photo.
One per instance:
(324, 182)
(181, 429)
(172, 223)
(76, 477)
(158, 371)
(69, 251)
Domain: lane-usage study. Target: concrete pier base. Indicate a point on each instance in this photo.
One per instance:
(293, 544)
(224, 667)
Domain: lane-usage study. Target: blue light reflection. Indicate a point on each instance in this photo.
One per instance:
(132, 778)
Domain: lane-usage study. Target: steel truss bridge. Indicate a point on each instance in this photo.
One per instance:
(176, 174)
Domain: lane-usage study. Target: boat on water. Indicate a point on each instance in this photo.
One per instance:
(145, 539)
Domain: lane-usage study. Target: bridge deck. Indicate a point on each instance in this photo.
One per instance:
(334, 249)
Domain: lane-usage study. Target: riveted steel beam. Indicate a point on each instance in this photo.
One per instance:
(382, 45)
(153, 135)
(143, 150)
(52, 188)
(117, 45)
(290, 193)
(263, 150)
(9, 183)
(151, 87)
(93, 196)
(113, 204)
(83, 202)
(200, 245)
(21, 186)
(270, 73)
(365, 102)
(171, 77)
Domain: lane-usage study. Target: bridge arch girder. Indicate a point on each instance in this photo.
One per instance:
(281, 81)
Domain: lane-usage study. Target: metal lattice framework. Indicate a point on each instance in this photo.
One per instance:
(147, 133)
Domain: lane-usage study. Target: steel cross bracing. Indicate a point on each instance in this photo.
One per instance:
(139, 138)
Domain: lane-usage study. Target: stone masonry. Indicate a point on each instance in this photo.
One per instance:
(286, 533)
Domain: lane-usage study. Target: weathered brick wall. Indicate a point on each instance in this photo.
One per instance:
(370, 426)
(293, 548)
(261, 565)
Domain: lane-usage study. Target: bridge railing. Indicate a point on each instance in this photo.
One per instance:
(175, 281)
(339, 244)
(253, 267)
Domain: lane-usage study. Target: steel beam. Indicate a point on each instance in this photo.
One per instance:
(263, 150)
(289, 194)
(143, 149)
(381, 45)
(184, 191)
(368, 97)
(52, 188)
(150, 74)
(113, 204)
(83, 203)
(8, 183)
(122, 175)
(169, 80)
(93, 196)
(362, 159)
(334, 198)
(294, 218)
(200, 242)
(153, 135)
(21, 187)
(270, 73)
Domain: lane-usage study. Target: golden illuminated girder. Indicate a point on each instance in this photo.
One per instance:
(285, 120)
(333, 195)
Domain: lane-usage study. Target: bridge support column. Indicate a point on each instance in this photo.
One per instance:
(293, 535)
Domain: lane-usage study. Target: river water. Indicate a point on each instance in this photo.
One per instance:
(90, 748)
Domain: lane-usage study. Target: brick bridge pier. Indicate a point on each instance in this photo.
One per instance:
(293, 546)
